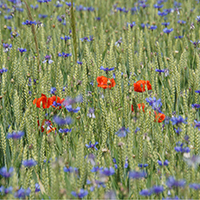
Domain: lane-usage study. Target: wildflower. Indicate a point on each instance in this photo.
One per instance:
(162, 13)
(3, 70)
(21, 50)
(139, 106)
(65, 38)
(91, 113)
(145, 192)
(5, 173)
(196, 105)
(122, 132)
(158, 6)
(137, 175)
(107, 69)
(178, 37)
(37, 187)
(160, 117)
(153, 27)
(179, 148)
(85, 39)
(81, 194)
(98, 18)
(165, 30)
(46, 124)
(61, 121)
(34, 7)
(15, 135)
(178, 130)
(29, 163)
(107, 171)
(198, 18)
(8, 17)
(69, 101)
(181, 22)
(14, 34)
(195, 44)
(93, 146)
(47, 59)
(197, 125)
(7, 47)
(105, 82)
(22, 193)
(139, 86)
(119, 42)
(58, 5)
(27, 22)
(80, 63)
(179, 120)
(166, 163)
(53, 90)
(64, 55)
(157, 189)
(96, 169)
(66, 130)
(6, 190)
(42, 16)
(70, 109)
(44, 100)
(70, 169)
(171, 182)
(142, 165)
(195, 186)
(165, 24)
(126, 163)
(193, 161)
(131, 24)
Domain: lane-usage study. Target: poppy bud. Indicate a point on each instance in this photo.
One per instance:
(1, 97)
(5, 27)
(12, 80)
(53, 25)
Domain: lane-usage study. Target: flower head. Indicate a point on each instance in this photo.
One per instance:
(15, 135)
(5, 173)
(81, 194)
(105, 82)
(29, 163)
(70, 109)
(47, 59)
(122, 132)
(131, 24)
(28, 23)
(157, 189)
(107, 171)
(44, 100)
(21, 50)
(7, 47)
(3, 70)
(139, 86)
(137, 174)
(178, 120)
(91, 113)
(93, 146)
(139, 106)
(107, 69)
(22, 193)
(165, 30)
(171, 182)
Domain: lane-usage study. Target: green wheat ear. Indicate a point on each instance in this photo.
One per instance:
(135, 107)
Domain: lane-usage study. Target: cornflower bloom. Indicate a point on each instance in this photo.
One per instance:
(162, 13)
(47, 59)
(107, 69)
(15, 135)
(64, 55)
(145, 192)
(197, 91)
(70, 109)
(197, 125)
(169, 10)
(79, 62)
(96, 169)
(3, 70)
(142, 165)
(6, 190)
(118, 43)
(22, 193)
(158, 6)
(153, 27)
(66, 130)
(81, 194)
(42, 16)
(91, 113)
(14, 34)
(198, 19)
(122, 132)
(93, 146)
(193, 161)
(69, 4)
(179, 120)
(181, 22)
(131, 24)
(28, 23)
(165, 163)
(137, 175)
(107, 171)
(29, 163)
(85, 39)
(7, 47)
(58, 5)
(194, 186)
(165, 24)
(196, 105)
(168, 31)
(53, 90)
(178, 130)
(178, 37)
(5, 173)
(37, 187)
(195, 44)
(21, 50)
(179, 148)
(65, 38)
(61, 121)
(157, 189)
(70, 169)
(8, 17)
(34, 7)
(171, 182)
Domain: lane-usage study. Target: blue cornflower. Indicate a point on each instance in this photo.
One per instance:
(197, 91)
(162, 13)
(29, 163)
(178, 37)
(165, 24)
(118, 43)
(158, 6)
(85, 39)
(107, 69)
(137, 175)
(165, 30)
(126, 163)
(196, 105)
(195, 186)
(14, 34)
(21, 50)
(155, 104)
(171, 182)
(27, 22)
(58, 5)
(47, 59)
(61, 121)
(195, 44)
(142, 165)
(198, 18)
(178, 130)
(5, 173)
(69, 4)
(171, 198)
(42, 16)
(59, 19)
(70, 169)
(169, 10)
(166, 163)
(22, 193)
(153, 27)
(81, 194)
(3, 70)
(137, 129)
(181, 22)
(15, 135)
(131, 24)
(143, 5)
(122, 132)
(98, 18)
(20, 9)
(7, 47)
(8, 17)
(80, 8)
(79, 62)
(66, 130)
(70, 109)
(53, 90)
(37, 187)
(179, 148)
(145, 192)
(93, 146)
(64, 55)
(34, 7)
(96, 169)
(197, 125)
(121, 9)
(65, 38)
(6, 190)
(107, 171)
(157, 189)
(179, 120)
(160, 71)
(91, 113)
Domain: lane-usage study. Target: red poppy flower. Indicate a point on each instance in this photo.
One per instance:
(43, 99)
(56, 99)
(159, 117)
(139, 86)
(139, 106)
(105, 82)
(46, 124)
